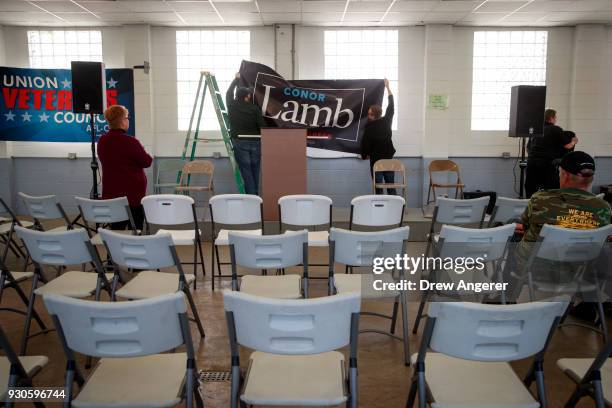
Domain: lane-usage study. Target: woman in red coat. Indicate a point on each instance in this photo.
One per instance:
(123, 159)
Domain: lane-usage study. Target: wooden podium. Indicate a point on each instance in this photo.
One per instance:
(283, 166)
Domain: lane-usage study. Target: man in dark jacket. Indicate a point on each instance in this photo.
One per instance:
(245, 119)
(545, 152)
(376, 143)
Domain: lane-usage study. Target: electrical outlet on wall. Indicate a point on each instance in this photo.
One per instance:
(216, 155)
(506, 155)
(72, 156)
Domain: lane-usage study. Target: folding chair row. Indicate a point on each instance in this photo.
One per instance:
(314, 212)
(74, 247)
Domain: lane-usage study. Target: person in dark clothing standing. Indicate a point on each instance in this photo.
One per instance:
(376, 143)
(123, 160)
(245, 119)
(545, 152)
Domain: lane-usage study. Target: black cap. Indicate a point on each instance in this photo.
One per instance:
(242, 92)
(578, 163)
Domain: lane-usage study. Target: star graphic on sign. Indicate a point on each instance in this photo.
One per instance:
(44, 117)
(66, 83)
(26, 117)
(9, 116)
(112, 83)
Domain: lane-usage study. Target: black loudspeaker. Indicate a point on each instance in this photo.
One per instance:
(88, 87)
(527, 104)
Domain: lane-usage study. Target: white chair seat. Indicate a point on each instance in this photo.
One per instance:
(20, 276)
(363, 284)
(97, 240)
(148, 284)
(277, 287)
(180, 237)
(223, 235)
(317, 238)
(457, 383)
(31, 365)
(140, 382)
(6, 227)
(308, 380)
(75, 284)
(576, 368)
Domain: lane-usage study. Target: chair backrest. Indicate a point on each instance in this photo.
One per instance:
(119, 329)
(571, 245)
(507, 209)
(269, 251)
(104, 211)
(443, 165)
(168, 209)
(358, 248)
(377, 210)
(488, 243)
(482, 332)
(197, 167)
(42, 207)
(235, 209)
(389, 165)
(139, 252)
(56, 248)
(455, 211)
(305, 210)
(300, 326)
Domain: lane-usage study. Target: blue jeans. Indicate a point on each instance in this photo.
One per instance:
(248, 157)
(385, 177)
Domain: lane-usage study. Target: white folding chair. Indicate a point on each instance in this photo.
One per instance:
(103, 213)
(294, 341)
(358, 249)
(7, 230)
(17, 371)
(377, 211)
(312, 212)
(173, 210)
(62, 248)
(454, 211)
(236, 211)
(472, 346)
(593, 377)
(507, 210)
(577, 249)
(43, 208)
(149, 253)
(270, 252)
(130, 339)
(488, 244)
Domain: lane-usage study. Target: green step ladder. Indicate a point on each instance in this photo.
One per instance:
(192, 138)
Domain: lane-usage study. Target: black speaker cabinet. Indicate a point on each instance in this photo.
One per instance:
(88, 87)
(527, 105)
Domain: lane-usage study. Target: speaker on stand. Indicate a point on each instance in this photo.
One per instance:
(89, 96)
(527, 105)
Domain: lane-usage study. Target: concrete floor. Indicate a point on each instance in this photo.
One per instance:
(383, 378)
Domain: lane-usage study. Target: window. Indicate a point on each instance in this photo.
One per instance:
(362, 54)
(56, 48)
(503, 59)
(217, 51)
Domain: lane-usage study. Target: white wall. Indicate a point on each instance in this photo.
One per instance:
(432, 59)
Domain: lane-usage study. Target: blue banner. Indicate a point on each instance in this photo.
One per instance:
(36, 105)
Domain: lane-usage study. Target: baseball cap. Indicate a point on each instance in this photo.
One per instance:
(578, 163)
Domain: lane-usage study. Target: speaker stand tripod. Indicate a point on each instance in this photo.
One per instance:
(94, 161)
(523, 163)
